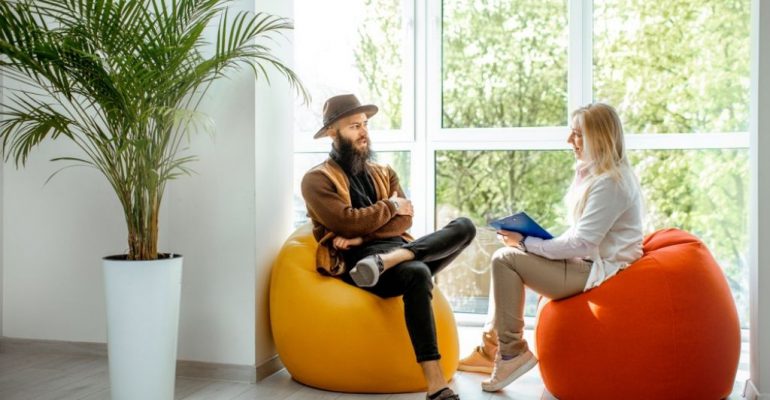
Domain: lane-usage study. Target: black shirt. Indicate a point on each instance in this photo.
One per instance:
(362, 195)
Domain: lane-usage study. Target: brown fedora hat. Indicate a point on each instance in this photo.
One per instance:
(342, 106)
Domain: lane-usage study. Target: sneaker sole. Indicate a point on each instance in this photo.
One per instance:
(364, 277)
(483, 370)
(512, 377)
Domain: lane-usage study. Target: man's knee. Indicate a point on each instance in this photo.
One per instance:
(465, 227)
(419, 276)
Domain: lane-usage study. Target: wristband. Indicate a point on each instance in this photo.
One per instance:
(523, 246)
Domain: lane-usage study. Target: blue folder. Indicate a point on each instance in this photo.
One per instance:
(522, 223)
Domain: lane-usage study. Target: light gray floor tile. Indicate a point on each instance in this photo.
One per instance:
(219, 390)
(67, 377)
(184, 387)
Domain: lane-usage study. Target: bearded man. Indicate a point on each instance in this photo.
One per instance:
(361, 215)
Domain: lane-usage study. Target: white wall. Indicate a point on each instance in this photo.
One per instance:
(230, 220)
(274, 161)
(2, 194)
(223, 220)
(212, 218)
(54, 238)
(760, 211)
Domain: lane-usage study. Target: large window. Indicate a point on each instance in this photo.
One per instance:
(674, 66)
(475, 100)
(504, 63)
(354, 46)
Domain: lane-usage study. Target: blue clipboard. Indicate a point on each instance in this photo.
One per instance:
(522, 223)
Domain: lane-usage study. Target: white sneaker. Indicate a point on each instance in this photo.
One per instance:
(367, 271)
(507, 371)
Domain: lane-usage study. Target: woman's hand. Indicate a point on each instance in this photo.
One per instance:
(510, 239)
(342, 243)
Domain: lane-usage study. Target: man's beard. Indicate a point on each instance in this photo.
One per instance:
(352, 160)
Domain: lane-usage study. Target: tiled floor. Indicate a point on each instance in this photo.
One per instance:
(61, 377)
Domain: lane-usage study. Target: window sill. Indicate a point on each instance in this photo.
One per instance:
(477, 320)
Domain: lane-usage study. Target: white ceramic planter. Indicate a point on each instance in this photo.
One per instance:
(142, 325)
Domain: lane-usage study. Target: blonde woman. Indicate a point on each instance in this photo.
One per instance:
(604, 204)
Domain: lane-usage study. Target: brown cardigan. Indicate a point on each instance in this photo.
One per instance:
(327, 195)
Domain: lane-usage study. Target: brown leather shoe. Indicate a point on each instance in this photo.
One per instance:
(478, 361)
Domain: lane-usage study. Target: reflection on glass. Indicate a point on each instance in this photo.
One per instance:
(350, 46)
(504, 63)
(673, 65)
(704, 192)
(398, 160)
(486, 185)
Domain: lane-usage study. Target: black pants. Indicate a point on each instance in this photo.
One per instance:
(413, 279)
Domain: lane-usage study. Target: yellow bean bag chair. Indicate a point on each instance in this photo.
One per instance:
(334, 336)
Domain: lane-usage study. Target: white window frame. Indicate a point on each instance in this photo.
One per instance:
(579, 92)
(383, 138)
(422, 134)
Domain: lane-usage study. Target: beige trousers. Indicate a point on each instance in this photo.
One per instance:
(512, 270)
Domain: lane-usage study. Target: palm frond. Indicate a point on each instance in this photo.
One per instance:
(123, 80)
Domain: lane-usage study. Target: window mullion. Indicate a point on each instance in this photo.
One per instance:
(579, 74)
(587, 39)
(409, 55)
(431, 98)
(575, 75)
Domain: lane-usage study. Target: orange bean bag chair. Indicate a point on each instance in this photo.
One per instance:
(334, 336)
(665, 328)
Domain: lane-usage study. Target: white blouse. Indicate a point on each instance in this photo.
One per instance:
(609, 231)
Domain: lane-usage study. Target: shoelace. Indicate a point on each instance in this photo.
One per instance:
(378, 261)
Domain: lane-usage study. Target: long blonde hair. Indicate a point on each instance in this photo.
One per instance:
(604, 145)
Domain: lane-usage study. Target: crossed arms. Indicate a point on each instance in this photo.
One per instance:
(331, 209)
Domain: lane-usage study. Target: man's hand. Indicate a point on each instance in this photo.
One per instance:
(342, 243)
(404, 205)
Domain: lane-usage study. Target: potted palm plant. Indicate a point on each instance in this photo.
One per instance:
(123, 80)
